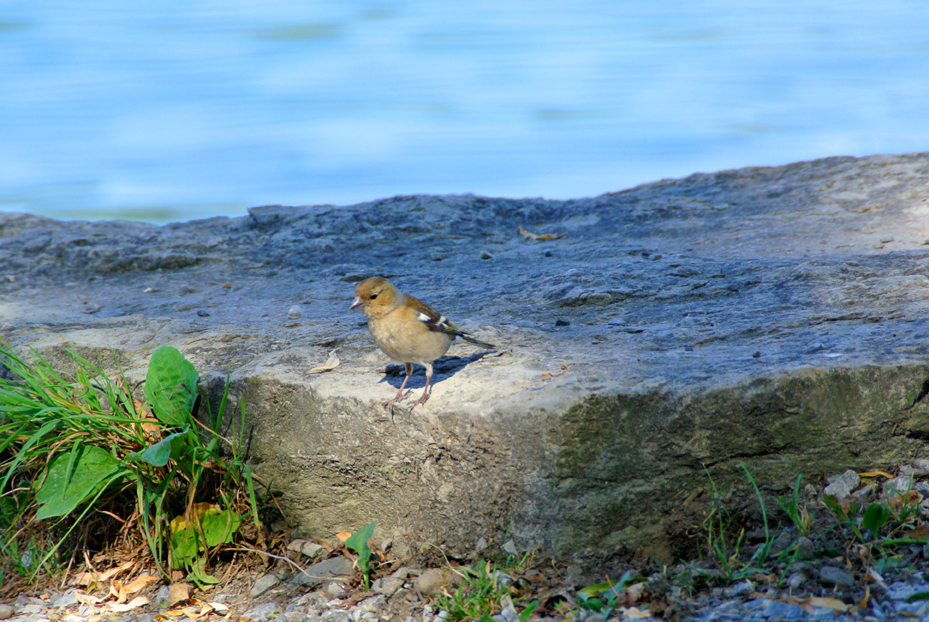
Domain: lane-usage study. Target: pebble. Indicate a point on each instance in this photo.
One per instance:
(263, 584)
(831, 575)
(263, 613)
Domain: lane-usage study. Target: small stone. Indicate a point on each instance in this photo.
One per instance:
(795, 580)
(486, 255)
(263, 584)
(898, 486)
(5, 611)
(430, 581)
(263, 613)
(296, 545)
(510, 547)
(547, 253)
(312, 549)
(744, 587)
(386, 585)
(337, 615)
(840, 486)
(780, 610)
(561, 322)
(374, 603)
(320, 571)
(294, 313)
(335, 589)
(832, 576)
(65, 600)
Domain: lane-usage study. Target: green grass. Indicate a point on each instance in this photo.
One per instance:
(86, 468)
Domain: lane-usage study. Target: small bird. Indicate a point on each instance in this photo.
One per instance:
(406, 329)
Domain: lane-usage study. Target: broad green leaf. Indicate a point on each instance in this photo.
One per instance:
(875, 516)
(358, 542)
(73, 478)
(171, 386)
(184, 547)
(168, 447)
(219, 527)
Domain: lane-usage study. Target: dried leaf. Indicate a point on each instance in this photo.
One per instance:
(179, 592)
(139, 583)
(537, 236)
(86, 599)
(343, 536)
(829, 603)
(135, 603)
(875, 474)
(920, 532)
(331, 363)
(874, 576)
(117, 590)
(635, 612)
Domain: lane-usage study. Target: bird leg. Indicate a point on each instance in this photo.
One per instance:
(426, 392)
(400, 396)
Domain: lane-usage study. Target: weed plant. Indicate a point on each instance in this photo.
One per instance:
(91, 475)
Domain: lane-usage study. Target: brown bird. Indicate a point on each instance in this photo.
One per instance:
(406, 329)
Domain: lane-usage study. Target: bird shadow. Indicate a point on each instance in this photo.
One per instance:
(442, 369)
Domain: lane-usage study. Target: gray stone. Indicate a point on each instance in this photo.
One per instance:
(335, 589)
(6, 611)
(337, 615)
(312, 549)
(840, 486)
(833, 576)
(434, 579)
(780, 610)
(263, 584)
(66, 599)
(334, 567)
(387, 585)
(818, 267)
(263, 613)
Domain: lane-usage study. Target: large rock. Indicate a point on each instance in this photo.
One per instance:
(771, 316)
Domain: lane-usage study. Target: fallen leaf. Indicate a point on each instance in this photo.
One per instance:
(635, 612)
(343, 536)
(875, 474)
(117, 590)
(178, 592)
(86, 599)
(139, 583)
(829, 603)
(537, 236)
(135, 603)
(920, 532)
(874, 576)
(331, 363)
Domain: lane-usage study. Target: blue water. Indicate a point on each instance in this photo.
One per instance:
(174, 110)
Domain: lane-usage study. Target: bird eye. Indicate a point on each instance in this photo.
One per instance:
(373, 296)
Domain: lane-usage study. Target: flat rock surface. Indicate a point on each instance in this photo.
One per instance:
(666, 315)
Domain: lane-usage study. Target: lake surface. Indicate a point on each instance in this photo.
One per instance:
(170, 110)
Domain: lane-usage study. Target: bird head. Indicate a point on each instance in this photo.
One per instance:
(375, 296)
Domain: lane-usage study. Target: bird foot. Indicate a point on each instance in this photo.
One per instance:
(422, 400)
(399, 398)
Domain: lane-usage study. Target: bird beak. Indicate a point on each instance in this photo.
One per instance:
(356, 303)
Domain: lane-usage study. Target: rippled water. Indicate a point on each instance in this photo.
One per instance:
(178, 110)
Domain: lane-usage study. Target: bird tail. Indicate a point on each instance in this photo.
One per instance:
(476, 342)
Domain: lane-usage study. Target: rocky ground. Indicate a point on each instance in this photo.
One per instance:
(854, 547)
